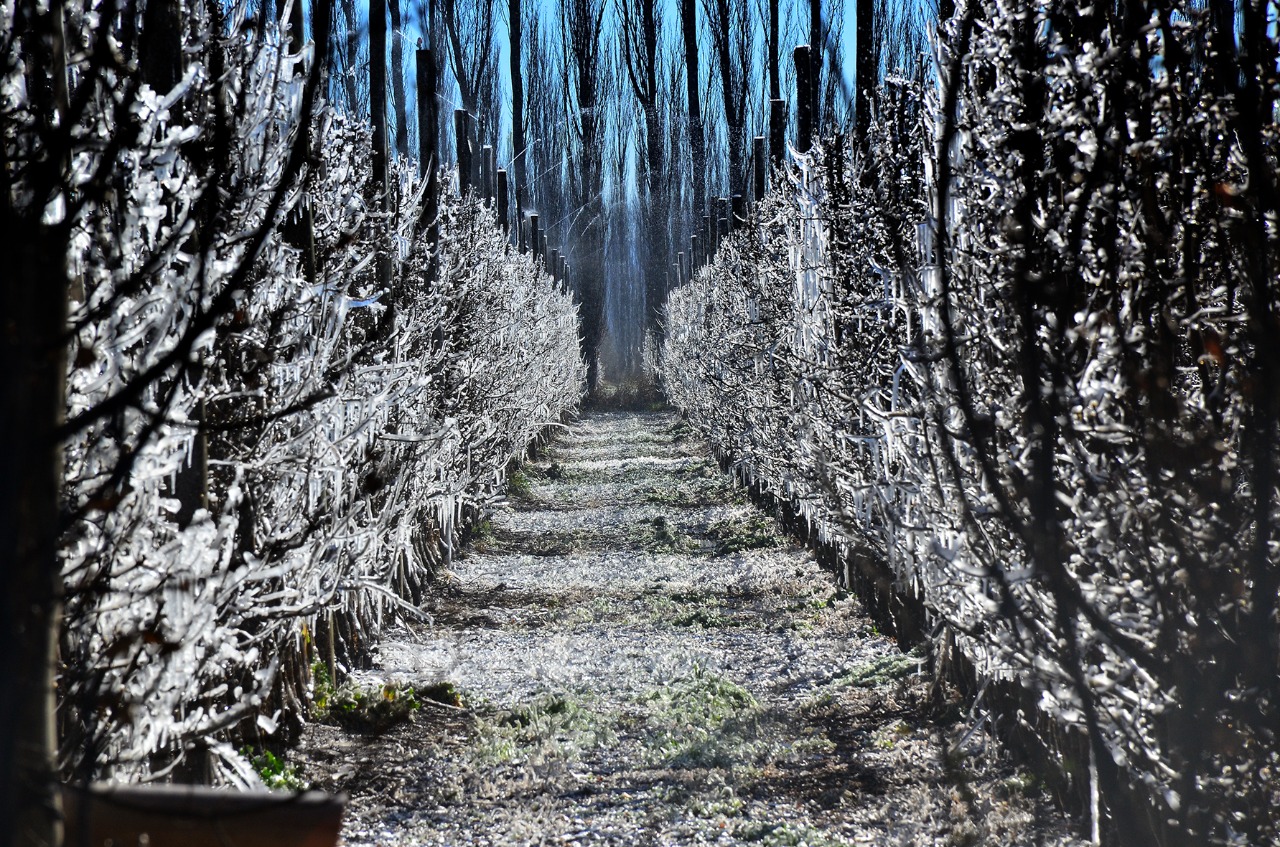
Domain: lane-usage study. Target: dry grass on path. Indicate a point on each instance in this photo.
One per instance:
(645, 659)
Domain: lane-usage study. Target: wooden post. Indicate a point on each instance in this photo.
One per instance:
(534, 241)
(492, 162)
(758, 153)
(546, 242)
(462, 139)
(504, 200)
(695, 255)
(428, 128)
(738, 216)
(378, 95)
(429, 153)
(804, 115)
(522, 233)
(865, 71)
(486, 173)
(378, 109)
(553, 263)
(473, 139)
(684, 267)
(724, 209)
(777, 131)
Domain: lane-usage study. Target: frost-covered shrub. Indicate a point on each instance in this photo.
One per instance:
(1051, 415)
(262, 466)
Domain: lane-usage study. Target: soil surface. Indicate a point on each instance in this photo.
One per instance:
(640, 656)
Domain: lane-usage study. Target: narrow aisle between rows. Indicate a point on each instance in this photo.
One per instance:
(642, 657)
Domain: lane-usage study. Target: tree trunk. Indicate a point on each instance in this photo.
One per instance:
(582, 65)
(697, 142)
(655, 211)
(299, 228)
(30, 479)
(160, 47)
(349, 83)
(466, 83)
(640, 53)
(725, 33)
(804, 102)
(32, 405)
(517, 109)
(428, 141)
(378, 114)
(866, 71)
(777, 111)
(321, 30)
(397, 79)
(817, 50)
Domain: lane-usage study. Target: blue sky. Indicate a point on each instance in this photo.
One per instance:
(670, 23)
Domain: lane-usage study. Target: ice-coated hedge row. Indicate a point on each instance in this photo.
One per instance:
(266, 466)
(1052, 417)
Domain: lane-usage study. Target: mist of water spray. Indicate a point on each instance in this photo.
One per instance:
(624, 295)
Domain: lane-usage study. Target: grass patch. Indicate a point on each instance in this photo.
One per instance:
(518, 486)
(696, 611)
(693, 484)
(665, 537)
(888, 736)
(682, 430)
(703, 720)
(703, 618)
(549, 726)
(770, 834)
(711, 797)
(755, 531)
(883, 670)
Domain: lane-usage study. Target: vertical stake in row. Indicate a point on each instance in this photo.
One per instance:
(504, 200)
(463, 138)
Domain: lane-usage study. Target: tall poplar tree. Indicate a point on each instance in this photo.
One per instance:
(866, 65)
(515, 25)
(697, 138)
(582, 22)
(640, 36)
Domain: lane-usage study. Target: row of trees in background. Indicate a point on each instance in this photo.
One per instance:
(622, 123)
(1014, 353)
(251, 388)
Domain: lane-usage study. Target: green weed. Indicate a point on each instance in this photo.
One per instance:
(370, 710)
(518, 486)
(322, 688)
(275, 774)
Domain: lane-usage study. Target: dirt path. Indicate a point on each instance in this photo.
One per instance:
(644, 659)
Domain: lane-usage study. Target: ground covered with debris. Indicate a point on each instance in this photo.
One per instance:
(633, 654)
